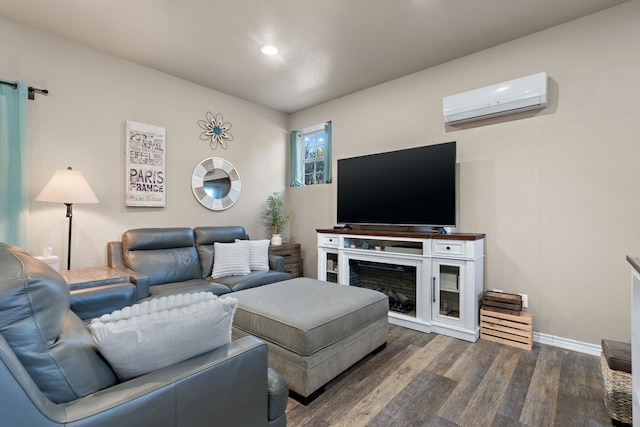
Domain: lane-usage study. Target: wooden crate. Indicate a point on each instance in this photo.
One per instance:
(502, 302)
(509, 329)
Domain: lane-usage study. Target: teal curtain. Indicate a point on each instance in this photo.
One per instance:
(14, 203)
(296, 151)
(327, 153)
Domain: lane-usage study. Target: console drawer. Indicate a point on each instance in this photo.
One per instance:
(328, 240)
(448, 248)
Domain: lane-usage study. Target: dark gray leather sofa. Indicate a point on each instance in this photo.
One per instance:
(51, 374)
(165, 261)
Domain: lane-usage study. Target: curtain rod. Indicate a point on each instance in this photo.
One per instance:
(31, 90)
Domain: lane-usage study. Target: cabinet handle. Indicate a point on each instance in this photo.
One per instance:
(448, 248)
(433, 289)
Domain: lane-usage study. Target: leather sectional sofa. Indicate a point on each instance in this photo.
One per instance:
(52, 375)
(165, 261)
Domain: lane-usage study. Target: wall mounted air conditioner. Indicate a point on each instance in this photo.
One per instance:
(523, 94)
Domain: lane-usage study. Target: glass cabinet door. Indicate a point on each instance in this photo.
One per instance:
(332, 267)
(447, 289)
(328, 265)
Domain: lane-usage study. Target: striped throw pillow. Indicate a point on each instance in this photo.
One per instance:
(231, 259)
(259, 258)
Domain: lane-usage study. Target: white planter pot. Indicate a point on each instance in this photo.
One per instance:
(276, 239)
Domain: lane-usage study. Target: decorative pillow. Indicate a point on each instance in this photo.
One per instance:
(259, 256)
(163, 331)
(231, 259)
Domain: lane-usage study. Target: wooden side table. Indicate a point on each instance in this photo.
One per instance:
(292, 255)
(91, 277)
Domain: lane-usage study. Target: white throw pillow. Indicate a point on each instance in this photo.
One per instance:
(231, 259)
(259, 256)
(163, 331)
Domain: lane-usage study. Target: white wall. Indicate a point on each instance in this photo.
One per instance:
(81, 124)
(555, 191)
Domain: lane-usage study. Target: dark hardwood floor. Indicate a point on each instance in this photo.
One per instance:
(433, 380)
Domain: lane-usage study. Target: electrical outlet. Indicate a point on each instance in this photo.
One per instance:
(525, 300)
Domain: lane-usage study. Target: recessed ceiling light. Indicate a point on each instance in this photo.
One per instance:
(269, 50)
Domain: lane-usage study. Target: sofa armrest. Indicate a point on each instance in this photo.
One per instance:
(114, 255)
(278, 394)
(88, 303)
(228, 385)
(141, 281)
(276, 263)
(115, 260)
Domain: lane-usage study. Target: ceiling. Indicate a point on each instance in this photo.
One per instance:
(328, 48)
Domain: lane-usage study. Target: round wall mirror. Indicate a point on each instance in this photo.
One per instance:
(215, 183)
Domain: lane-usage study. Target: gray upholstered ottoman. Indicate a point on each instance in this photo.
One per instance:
(314, 330)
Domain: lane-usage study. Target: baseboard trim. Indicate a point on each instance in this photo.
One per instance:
(567, 343)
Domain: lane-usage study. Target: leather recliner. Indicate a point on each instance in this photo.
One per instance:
(52, 375)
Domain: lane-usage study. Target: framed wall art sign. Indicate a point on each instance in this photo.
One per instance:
(145, 165)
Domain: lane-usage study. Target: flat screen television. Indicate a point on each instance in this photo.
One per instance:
(416, 187)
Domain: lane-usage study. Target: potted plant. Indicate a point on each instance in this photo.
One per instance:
(275, 219)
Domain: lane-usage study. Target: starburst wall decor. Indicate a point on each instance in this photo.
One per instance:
(216, 131)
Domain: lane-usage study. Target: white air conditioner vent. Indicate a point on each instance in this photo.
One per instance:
(523, 94)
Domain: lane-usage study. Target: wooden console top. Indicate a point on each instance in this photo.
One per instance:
(418, 235)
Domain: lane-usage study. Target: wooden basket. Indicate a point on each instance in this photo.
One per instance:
(617, 392)
(509, 329)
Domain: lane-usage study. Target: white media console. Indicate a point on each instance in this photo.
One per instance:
(434, 281)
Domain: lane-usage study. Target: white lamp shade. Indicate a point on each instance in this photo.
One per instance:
(67, 186)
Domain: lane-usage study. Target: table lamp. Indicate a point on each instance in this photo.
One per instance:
(68, 187)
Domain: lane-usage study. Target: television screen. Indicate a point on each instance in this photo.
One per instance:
(416, 186)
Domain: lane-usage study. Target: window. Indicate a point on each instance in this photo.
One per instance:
(310, 161)
(313, 157)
